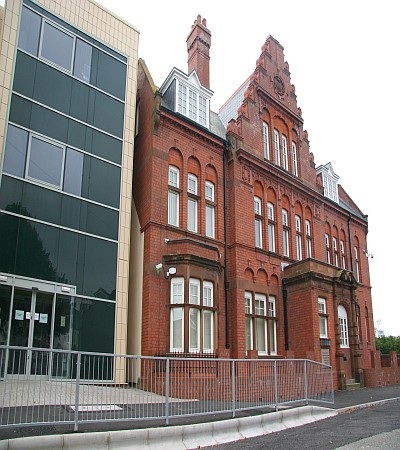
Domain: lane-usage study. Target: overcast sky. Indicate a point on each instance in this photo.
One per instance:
(343, 57)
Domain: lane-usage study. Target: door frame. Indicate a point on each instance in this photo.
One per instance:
(33, 286)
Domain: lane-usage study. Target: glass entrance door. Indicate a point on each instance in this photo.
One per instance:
(30, 327)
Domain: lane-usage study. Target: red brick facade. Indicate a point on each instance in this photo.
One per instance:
(240, 169)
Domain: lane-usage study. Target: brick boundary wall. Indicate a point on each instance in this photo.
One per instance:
(385, 370)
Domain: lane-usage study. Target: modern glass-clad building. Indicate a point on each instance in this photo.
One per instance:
(66, 168)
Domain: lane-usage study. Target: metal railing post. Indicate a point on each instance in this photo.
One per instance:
(233, 388)
(167, 392)
(77, 385)
(305, 382)
(275, 385)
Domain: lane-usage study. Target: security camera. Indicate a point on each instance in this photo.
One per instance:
(158, 266)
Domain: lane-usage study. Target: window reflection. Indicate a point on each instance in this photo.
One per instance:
(83, 60)
(45, 162)
(29, 31)
(57, 46)
(16, 144)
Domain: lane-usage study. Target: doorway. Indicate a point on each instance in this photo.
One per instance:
(30, 326)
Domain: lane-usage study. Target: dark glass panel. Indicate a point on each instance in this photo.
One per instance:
(15, 153)
(91, 106)
(24, 75)
(106, 147)
(67, 255)
(57, 46)
(11, 194)
(101, 181)
(29, 31)
(89, 140)
(99, 220)
(73, 172)
(52, 88)
(42, 330)
(45, 162)
(5, 300)
(40, 203)
(100, 268)
(79, 100)
(76, 134)
(62, 322)
(109, 114)
(95, 63)
(70, 212)
(80, 263)
(83, 60)
(93, 326)
(8, 239)
(111, 75)
(20, 111)
(37, 250)
(49, 123)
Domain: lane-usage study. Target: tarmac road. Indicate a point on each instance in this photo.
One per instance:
(374, 427)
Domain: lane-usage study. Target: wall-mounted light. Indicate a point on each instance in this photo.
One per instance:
(171, 271)
(158, 266)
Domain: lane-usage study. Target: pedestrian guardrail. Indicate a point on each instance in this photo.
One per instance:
(43, 386)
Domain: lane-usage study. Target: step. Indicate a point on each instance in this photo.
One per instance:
(352, 386)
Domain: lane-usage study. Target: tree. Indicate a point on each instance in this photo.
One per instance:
(387, 344)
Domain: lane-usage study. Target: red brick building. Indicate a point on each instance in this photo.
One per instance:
(249, 250)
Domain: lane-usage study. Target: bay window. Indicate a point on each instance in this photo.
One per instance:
(196, 315)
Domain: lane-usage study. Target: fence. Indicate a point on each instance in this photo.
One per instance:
(42, 386)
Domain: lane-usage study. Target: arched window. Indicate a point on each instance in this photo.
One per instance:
(271, 227)
(308, 239)
(266, 140)
(192, 203)
(285, 233)
(173, 196)
(294, 159)
(344, 331)
(258, 222)
(299, 253)
(210, 209)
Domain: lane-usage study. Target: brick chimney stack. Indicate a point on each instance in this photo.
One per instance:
(198, 47)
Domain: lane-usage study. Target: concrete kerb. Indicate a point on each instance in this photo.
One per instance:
(176, 437)
(349, 409)
(198, 435)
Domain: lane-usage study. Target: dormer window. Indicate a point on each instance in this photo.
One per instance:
(197, 107)
(329, 181)
(185, 95)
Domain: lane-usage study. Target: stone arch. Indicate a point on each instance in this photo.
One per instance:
(258, 190)
(249, 274)
(194, 166)
(175, 158)
(262, 276)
